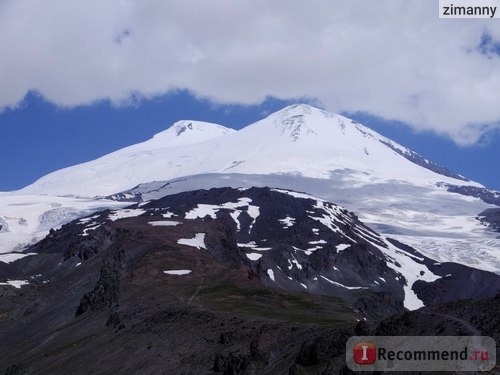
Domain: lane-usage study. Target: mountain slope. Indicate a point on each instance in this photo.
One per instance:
(442, 225)
(124, 168)
(290, 240)
(213, 281)
(391, 188)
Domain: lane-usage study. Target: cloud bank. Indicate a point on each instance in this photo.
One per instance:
(391, 58)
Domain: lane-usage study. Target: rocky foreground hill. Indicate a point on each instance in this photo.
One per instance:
(229, 281)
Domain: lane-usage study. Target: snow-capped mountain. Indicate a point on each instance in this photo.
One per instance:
(215, 236)
(391, 188)
(299, 139)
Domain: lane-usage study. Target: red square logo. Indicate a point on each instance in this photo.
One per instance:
(365, 353)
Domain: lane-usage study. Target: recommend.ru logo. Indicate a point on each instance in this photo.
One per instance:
(421, 353)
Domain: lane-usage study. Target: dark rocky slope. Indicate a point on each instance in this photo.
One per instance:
(119, 312)
(471, 317)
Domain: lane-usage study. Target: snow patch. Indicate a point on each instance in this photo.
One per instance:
(177, 272)
(234, 215)
(342, 246)
(197, 241)
(287, 221)
(253, 246)
(295, 194)
(125, 213)
(254, 256)
(87, 220)
(12, 257)
(90, 228)
(310, 250)
(270, 273)
(16, 283)
(331, 215)
(164, 223)
(317, 242)
(406, 266)
(342, 285)
(203, 210)
(295, 262)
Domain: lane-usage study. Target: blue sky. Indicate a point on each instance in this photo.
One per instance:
(108, 74)
(39, 137)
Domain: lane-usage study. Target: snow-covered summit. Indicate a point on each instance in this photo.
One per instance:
(188, 131)
(296, 121)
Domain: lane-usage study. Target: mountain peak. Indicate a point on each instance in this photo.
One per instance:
(300, 120)
(187, 131)
(301, 109)
(182, 126)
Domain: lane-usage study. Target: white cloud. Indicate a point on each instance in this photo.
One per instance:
(392, 58)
